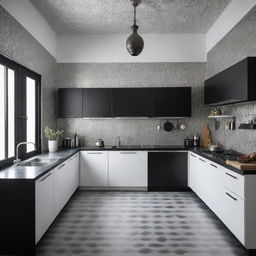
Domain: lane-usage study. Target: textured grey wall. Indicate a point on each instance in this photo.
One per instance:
(238, 44)
(17, 44)
(133, 75)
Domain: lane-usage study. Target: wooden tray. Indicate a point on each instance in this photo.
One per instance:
(242, 166)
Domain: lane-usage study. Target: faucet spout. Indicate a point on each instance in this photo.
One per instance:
(119, 141)
(17, 160)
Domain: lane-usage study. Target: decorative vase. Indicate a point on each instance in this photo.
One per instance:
(53, 146)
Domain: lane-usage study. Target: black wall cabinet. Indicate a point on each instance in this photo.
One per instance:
(233, 85)
(167, 171)
(97, 102)
(70, 102)
(125, 102)
(175, 102)
(133, 102)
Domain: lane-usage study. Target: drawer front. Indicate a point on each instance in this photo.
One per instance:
(233, 214)
(233, 182)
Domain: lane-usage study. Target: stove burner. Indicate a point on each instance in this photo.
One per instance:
(225, 155)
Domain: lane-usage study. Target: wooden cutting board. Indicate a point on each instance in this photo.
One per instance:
(242, 166)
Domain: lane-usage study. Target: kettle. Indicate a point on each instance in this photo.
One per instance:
(99, 143)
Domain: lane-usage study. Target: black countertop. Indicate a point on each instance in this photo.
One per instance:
(33, 173)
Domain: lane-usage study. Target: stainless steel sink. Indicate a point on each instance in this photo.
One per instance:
(38, 162)
(127, 147)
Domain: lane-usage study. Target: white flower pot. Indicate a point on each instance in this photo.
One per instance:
(53, 146)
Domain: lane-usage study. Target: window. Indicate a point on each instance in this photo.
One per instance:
(19, 111)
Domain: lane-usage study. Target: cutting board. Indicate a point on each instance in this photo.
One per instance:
(242, 166)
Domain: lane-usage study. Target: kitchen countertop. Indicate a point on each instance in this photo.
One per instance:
(33, 173)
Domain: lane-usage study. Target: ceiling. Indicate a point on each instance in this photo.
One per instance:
(115, 16)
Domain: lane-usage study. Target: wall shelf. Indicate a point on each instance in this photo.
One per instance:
(221, 116)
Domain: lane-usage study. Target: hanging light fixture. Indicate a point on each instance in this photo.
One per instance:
(134, 42)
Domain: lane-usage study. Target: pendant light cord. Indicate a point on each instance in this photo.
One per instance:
(134, 19)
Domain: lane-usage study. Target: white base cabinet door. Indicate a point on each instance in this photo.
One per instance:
(44, 201)
(128, 168)
(62, 187)
(94, 168)
(73, 174)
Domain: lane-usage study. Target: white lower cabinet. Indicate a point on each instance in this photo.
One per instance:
(233, 214)
(94, 168)
(128, 168)
(44, 201)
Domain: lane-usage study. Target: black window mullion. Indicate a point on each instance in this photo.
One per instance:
(6, 109)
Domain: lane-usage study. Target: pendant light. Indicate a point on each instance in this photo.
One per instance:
(134, 42)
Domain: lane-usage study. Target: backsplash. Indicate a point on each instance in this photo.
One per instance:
(136, 131)
(237, 45)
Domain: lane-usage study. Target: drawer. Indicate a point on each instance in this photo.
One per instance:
(233, 182)
(233, 214)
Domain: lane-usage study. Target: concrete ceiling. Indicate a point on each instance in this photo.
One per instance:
(115, 16)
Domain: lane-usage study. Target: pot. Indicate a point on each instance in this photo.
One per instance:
(216, 148)
(53, 146)
(99, 143)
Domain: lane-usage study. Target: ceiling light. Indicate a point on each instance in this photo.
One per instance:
(134, 42)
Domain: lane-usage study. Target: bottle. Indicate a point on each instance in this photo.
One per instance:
(76, 141)
(196, 140)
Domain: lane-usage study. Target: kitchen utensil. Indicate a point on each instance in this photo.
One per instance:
(188, 143)
(99, 143)
(196, 140)
(206, 136)
(168, 126)
(67, 142)
(183, 127)
(216, 148)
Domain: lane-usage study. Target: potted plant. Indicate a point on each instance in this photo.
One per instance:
(52, 136)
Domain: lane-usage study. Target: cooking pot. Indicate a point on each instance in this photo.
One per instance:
(99, 143)
(216, 148)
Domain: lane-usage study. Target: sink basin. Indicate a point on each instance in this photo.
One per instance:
(38, 162)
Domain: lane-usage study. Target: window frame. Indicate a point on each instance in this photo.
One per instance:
(21, 73)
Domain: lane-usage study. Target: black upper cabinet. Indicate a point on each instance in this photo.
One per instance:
(125, 102)
(233, 85)
(133, 102)
(173, 102)
(70, 102)
(97, 102)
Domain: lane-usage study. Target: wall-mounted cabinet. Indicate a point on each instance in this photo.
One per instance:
(233, 85)
(70, 102)
(125, 102)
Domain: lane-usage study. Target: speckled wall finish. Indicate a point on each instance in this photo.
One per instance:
(17, 44)
(237, 45)
(133, 75)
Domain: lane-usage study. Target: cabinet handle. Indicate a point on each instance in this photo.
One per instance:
(128, 153)
(192, 155)
(202, 160)
(45, 177)
(94, 153)
(214, 166)
(231, 196)
(62, 166)
(234, 177)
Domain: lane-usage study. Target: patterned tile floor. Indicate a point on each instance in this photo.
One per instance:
(137, 224)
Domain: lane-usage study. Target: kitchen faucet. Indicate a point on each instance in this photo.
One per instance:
(119, 141)
(17, 160)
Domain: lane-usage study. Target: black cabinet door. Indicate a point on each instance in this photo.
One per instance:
(97, 102)
(167, 171)
(173, 102)
(133, 102)
(229, 86)
(70, 102)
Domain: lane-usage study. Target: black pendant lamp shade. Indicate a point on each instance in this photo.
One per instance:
(134, 42)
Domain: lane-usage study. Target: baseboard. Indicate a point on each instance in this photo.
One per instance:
(108, 188)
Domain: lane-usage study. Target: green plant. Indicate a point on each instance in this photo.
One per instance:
(51, 134)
